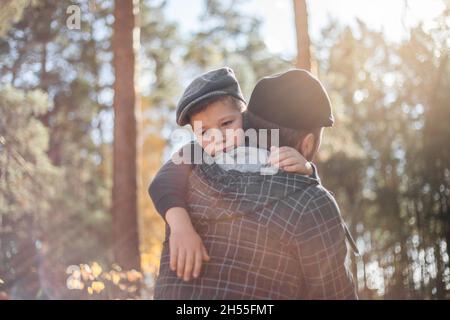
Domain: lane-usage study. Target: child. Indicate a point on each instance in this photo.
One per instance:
(213, 105)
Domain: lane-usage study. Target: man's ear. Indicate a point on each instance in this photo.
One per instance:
(307, 146)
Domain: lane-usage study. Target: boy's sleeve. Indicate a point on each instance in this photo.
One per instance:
(169, 187)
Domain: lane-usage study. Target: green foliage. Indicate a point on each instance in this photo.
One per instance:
(69, 66)
(27, 175)
(392, 101)
(11, 12)
(28, 184)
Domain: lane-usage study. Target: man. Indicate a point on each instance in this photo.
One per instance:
(268, 237)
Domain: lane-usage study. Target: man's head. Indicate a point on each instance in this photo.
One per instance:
(306, 141)
(297, 104)
(213, 104)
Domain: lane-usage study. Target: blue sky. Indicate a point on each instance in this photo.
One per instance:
(278, 27)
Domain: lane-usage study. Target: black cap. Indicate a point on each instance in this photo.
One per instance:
(294, 99)
(219, 82)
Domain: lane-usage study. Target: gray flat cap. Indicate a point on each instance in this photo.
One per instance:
(219, 82)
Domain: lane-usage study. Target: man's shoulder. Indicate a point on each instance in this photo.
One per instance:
(320, 221)
(320, 201)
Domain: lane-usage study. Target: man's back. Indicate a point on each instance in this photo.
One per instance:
(246, 263)
(269, 237)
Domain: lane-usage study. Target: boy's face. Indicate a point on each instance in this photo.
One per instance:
(218, 128)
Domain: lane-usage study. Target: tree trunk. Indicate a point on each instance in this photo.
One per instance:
(124, 201)
(301, 27)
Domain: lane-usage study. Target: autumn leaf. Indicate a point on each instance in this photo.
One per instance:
(98, 286)
(96, 269)
(115, 277)
(133, 275)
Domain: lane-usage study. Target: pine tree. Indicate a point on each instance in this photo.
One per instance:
(302, 34)
(124, 196)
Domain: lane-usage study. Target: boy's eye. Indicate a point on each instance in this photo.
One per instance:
(226, 123)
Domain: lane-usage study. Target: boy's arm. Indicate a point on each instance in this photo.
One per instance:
(187, 251)
(290, 160)
(168, 188)
(168, 192)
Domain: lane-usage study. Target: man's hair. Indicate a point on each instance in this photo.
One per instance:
(288, 137)
(236, 103)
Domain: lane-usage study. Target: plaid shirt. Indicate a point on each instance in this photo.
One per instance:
(269, 237)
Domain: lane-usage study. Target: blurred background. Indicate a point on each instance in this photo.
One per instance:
(87, 96)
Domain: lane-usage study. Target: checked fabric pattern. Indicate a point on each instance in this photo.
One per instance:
(269, 237)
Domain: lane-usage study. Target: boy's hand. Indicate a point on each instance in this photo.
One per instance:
(187, 251)
(290, 160)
